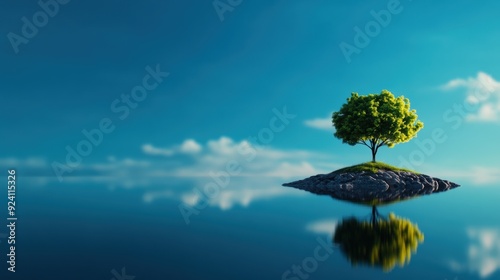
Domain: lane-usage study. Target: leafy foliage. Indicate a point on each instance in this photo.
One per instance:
(376, 120)
(383, 243)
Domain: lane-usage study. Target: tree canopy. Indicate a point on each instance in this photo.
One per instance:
(376, 120)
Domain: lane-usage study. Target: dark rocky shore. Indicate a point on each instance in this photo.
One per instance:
(384, 186)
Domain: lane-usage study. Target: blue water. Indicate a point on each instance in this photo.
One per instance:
(89, 231)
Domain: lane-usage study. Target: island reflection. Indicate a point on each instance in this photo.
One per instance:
(379, 241)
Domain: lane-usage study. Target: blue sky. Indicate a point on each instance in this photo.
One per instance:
(229, 70)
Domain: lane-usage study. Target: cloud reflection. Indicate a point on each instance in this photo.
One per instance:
(175, 172)
(323, 227)
(483, 253)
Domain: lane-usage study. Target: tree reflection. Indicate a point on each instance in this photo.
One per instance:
(381, 242)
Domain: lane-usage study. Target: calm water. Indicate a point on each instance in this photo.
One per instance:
(89, 231)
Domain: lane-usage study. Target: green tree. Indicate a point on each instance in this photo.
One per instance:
(376, 120)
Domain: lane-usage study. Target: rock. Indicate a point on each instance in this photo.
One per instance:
(366, 187)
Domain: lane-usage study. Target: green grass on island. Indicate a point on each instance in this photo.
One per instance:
(372, 167)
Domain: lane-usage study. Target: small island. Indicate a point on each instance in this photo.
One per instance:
(373, 183)
(374, 120)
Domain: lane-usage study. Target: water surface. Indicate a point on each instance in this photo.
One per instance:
(89, 231)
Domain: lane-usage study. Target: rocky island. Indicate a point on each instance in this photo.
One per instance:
(373, 183)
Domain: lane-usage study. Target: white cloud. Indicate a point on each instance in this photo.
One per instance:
(477, 175)
(225, 146)
(483, 253)
(189, 146)
(288, 170)
(254, 161)
(483, 92)
(454, 84)
(27, 162)
(150, 150)
(321, 123)
(487, 112)
(116, 164)
(485, 175)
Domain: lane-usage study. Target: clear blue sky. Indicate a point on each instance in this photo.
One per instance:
(226, 76)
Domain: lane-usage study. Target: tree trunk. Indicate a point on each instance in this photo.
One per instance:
(374, 153)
